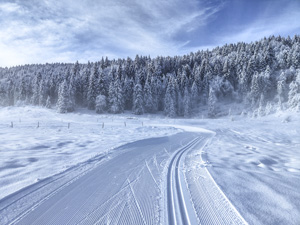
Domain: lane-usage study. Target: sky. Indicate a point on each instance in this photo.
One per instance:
(46, 31)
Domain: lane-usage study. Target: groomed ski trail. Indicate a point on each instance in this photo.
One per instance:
(129, 189)
(176, 202)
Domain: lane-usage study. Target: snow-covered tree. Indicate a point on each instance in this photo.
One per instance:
(237, 73)
(294, 93)
(186, 103)
(148, 100)
(36, 88)
(170, 99)
(261, 107)
(101, 104)
(42, 93)
(48, 102)
(194, 95)
(93, 89)
(128, 93)
(255, 90)
(116, 101)
(212, 100)
(138, 102)
(63, 98)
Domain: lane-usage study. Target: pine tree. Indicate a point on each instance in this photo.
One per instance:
(186, 103)
(267, 67)
(128, 93)
(294, 93)
(36, 88)
(281, 91)
(85, 83)
(255, 90)
(93, 88)
(266, 85)
(102, 87)
(42, 93)
(138, 100)
(296, 56)
(194, 95)
(148, 101)
(155, 93)
(116, 97)
(48, 102)
(76, 86)
(101, 104)
(63, 98)
(170, 99)
(212, 100)
(23, 89)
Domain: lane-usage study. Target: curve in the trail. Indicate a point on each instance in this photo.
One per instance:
(127, 189)
(122, 190)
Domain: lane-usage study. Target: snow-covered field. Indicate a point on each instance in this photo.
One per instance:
(256, 162)
(29, 154)
(243, 170)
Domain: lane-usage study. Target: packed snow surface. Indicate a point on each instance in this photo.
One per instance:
(68, 169)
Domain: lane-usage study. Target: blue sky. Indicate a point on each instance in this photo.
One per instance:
(40, 31)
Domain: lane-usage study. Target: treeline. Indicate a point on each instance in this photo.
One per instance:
(263, 76)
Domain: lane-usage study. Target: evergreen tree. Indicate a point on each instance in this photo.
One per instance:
(36, 88)
(155, 93)
(255, 91)
(186, 103)
(76, 86)
(93, 90)
(42, 93)
(148, 101)
(48, 102)
(294, 93)
(116, 97)
(101, 104)
(86, 74)
(138, 100)
(170, 99)
(261, 108)
(128, 93)
(63, 98)
(268, 67)
(194, 95)
(212, 100)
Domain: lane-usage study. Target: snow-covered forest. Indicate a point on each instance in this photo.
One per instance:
(260, 77)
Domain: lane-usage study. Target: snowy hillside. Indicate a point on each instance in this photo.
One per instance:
(261, 78)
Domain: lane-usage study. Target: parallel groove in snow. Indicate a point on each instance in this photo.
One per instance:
(175, 197)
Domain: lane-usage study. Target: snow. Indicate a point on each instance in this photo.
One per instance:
(256, 163)
(29, 154)
(251, 166)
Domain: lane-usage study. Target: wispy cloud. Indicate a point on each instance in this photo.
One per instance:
(39, 31)
(50, 31)
(277, 19)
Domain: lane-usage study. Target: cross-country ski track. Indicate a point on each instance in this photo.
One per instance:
(152, 181)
